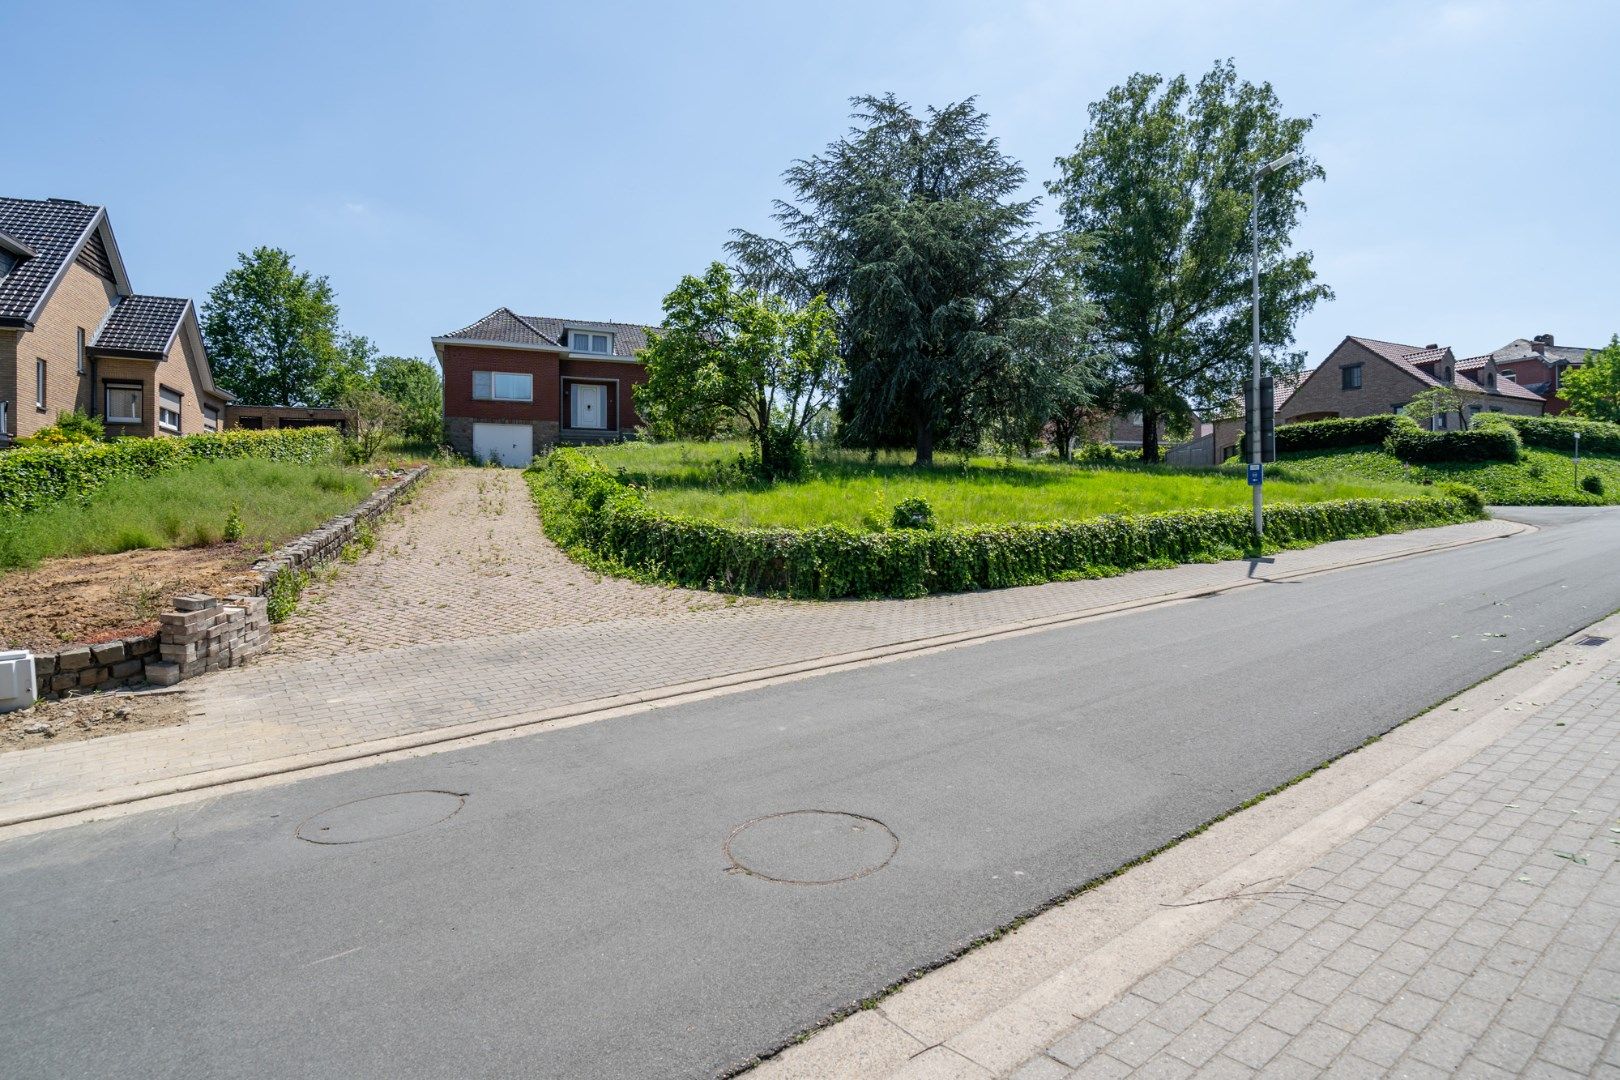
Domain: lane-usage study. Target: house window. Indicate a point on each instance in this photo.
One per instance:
(78, 353)
(123, 404)
(210, 418)
(1511, 376)
(168, 410)
(39, 385)
(1350, 377)
(1439, 422)
(502, 386)
(5, 417)
(579, 341)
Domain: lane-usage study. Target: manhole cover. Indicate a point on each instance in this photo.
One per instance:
(1593, 639)
(380, 816)
(811, 847)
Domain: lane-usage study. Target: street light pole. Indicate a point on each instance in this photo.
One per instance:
(1256, 451)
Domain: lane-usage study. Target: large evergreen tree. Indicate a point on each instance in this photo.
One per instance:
(913, 227)
(1161, 185)
(273, 337)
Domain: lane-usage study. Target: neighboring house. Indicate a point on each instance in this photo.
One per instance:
(1539, 365)
(1364, 377)
(516, 384)
(75, 335)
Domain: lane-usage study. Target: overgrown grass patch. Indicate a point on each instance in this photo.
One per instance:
(595, 515)
(1539, 478)
(700, 480)
(186, 507)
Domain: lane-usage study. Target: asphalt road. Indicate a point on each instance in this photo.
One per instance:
(580, 917)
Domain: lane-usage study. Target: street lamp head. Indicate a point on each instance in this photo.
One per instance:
(1281, 163)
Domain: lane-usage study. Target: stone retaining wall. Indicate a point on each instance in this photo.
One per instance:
(232, 630)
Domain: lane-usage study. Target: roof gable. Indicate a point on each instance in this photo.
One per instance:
(505, 327)
(57, 232)
(141, 326)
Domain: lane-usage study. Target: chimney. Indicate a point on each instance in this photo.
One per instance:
(1431, 346)
(1545, 339)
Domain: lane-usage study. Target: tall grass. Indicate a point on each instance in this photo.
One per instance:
(699, 480)
(185, 508)
(1541, 477)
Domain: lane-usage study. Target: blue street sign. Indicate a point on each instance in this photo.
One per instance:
(1256, 474)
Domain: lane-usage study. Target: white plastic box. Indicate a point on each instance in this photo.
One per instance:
(16, 679)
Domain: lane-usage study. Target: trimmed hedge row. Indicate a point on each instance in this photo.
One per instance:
(591, 515)
(1557, 432)
(32, 477)
(1335, 434)
(1412, 444)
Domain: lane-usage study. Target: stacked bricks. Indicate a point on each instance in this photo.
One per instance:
(102, 666)
(201, 635)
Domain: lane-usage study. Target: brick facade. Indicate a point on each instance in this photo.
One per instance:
(553, 372)
(80, 302)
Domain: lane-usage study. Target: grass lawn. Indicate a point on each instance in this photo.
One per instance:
(1543, 477)
(843, 487)
(185, 508)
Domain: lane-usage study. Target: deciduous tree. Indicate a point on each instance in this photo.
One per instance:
(414, 385)
(1161, 186)
(725, 350)
(1593, 389)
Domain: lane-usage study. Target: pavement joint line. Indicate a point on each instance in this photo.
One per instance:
(571, 715)
(1026, 1022)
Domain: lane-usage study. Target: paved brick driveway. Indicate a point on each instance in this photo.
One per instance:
(464, 559)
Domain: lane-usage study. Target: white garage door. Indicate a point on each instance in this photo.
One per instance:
(511, 445)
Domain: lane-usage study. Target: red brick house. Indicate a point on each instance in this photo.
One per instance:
(517, 384)
(1539, 365)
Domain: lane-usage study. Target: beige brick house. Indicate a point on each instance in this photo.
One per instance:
(75, 335)
(1365, 376)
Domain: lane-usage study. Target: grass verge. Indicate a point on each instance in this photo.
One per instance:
(1540, 478)
(187, 507)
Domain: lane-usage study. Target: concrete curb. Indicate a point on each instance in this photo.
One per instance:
(623, 704)
(987, 1012)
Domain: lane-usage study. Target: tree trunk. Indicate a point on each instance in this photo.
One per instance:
(1150, 436)
(925, 444)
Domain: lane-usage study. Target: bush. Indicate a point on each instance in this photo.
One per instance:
(1101, 453)
(233, 526)
(1337, 434)
(72, 428)
(1557, 432)
(594, 517)
(912, 514)
(1489, 443)
(1592, 484)
(281, 600)
(36, 476)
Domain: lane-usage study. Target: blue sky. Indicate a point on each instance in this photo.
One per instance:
(438, 160)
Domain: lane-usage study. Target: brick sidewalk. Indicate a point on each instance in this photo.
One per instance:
(1474, 931)
(340, 698)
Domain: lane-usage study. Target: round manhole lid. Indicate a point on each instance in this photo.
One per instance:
(811, 847)
(381, 816)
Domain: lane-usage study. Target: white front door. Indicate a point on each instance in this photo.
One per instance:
(589, 406)
(511, 445)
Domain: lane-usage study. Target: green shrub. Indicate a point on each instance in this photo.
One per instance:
(1468, 495)
(912, 514)
(233, 525)
(1101, 453)
(595, 518)
(1334, 434)
(72, 428)
(1490, 443)
(36, 476)
(282, 598)
(1592, 484)
(1557, 432)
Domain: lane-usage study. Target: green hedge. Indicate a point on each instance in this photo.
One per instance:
(1489, 443)
(1558, 432)
(32, 477)
(1336, 434)
(591, 515)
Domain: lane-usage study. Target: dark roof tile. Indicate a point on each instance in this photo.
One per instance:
(52, 228)
(141, 324)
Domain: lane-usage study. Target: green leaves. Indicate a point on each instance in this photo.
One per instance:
(730, 353)
(273, 336)
(1161, 185)
(594, 517)
(1593, 389)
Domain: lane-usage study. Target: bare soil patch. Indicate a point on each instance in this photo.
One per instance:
(88, 717)
(94, 598)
